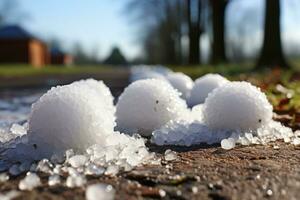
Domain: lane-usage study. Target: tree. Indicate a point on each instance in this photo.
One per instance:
(272, 53)
(194, 32)
(116, 57)
(218, 8)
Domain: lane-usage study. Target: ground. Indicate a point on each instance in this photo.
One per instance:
(209, 172)
(246, 172)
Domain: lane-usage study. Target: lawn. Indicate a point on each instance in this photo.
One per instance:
(26, 70)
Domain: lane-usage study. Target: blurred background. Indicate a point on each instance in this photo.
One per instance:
(53, 41)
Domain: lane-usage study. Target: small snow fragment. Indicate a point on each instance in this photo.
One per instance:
(18, 129)
(78, 180)
(45, 166)
(162, 193)
(30, 182)
(170, 155)
(228, 143)
(100, 192)
(78, 161)
(95, 170)
(112, 170)
(54, 180)
(4, 177)
(9, 195)
(296, 141)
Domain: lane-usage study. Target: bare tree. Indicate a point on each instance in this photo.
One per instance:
(218, 8)
(272, 52)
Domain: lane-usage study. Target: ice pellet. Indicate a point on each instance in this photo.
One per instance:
(100, 192)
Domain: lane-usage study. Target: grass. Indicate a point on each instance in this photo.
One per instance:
(26, 70)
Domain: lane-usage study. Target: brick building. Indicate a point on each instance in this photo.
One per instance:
(17, 46)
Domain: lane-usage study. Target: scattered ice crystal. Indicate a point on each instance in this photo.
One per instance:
(77, 180)
(146, 105)
(228, 143)
(4, 177)
(54, 180)
(30, 182)
(78, 161)
(237, 106)
(203, 86)
(9, 195)
(182, 83)
(100, 192)
(170, 155)
(71, 116)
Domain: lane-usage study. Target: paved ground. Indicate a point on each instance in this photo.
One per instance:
(252, 172)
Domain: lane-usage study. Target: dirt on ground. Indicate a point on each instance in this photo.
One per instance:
(201, 172)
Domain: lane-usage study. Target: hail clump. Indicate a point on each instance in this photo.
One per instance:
(146, 105)
(203, 86)
(182, 83)
(237, 106)
(236, 112)
(71, 116)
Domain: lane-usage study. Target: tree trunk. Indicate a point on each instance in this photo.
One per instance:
(272, 53)
(218, 8)
(194, 50)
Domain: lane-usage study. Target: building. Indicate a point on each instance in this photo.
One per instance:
(58, 57)
(19, 46)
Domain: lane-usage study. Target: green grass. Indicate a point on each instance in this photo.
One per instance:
(26, 70)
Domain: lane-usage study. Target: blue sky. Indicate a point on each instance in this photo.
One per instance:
(97, 24)
(102, 24)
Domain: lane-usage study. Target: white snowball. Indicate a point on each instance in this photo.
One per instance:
(30, 182)
(146, 105)
(182, 83)
(203, 86)
(100, 192)
(71, 116)
(237, 106)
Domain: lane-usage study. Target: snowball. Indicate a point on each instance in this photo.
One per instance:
(146, 105)
(203, 86)
(71, 116)
(100, 192)
(30, 182)
(228, 143)
(182, 83)
(237, 106)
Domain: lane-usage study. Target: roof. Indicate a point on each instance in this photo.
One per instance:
(57, 52)
(15, 32)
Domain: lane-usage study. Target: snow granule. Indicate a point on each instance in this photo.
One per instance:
(71, 116)
(100, 192)
(146, 105)
(203, 86)
(30, 182)
(181, 82)
(237, 105)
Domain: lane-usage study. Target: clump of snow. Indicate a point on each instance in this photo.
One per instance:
(140, 72)
(146, 105)
(30, 182)
(237, 105)
(236, 113)
(181, 82)
(78, 161)
(54, 180)
(203, 86)
(71, 116)
(100, 192)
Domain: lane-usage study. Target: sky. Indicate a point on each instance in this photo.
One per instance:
(97, 24)
(101, 24)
